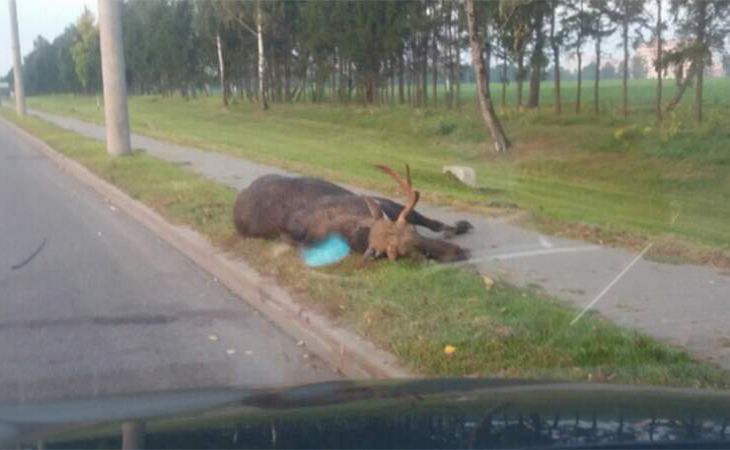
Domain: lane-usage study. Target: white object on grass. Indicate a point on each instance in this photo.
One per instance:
(465, 174)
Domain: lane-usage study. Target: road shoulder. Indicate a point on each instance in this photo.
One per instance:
(344, 351)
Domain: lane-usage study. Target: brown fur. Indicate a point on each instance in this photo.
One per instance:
(307, 210)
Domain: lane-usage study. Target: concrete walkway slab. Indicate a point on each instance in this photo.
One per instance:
(683, 305)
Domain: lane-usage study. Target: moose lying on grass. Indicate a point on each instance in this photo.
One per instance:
(308, 210)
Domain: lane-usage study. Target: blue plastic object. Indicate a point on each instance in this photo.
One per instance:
(332, 249)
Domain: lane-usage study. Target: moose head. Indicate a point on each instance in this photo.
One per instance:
(393, 238)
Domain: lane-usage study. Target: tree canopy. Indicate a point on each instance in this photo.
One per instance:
(371, 52)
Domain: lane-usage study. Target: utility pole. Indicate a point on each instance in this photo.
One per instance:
(116, 113)
(17, 67)
(133, 434)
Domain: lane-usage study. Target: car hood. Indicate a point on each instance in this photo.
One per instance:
(459, 413)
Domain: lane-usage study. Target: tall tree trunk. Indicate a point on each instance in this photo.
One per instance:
(377, 89)
(389, 80)
(533, 100)
(450, 74)
(457, 59)
(424, 71)
(625, 36)
(434, 71)
(280, 78)
(333, 78)
(579, 54)
(262, 61)
(504, 79)
(270, 79)
(350, 84)
(414, 74)
(341, 75)
(239, 80)
(556, 61)
(270, 72)
(698, 91)
(501, 143)
(313, 83)
(296, 93)
(450, 48)
(401, 76)
(682, 87)
(701, 32)
(287, 78)
(520, 77)
(254, 77)
(487, 54)
(382, 91)
(409, 81)
(221, 69)
(380, 88)
(247, 81)
(415, 80)
(579, 75)
(658, 62)
(369, 89)
(597, 80)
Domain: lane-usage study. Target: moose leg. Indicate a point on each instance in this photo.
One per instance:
(441, 251)
(392, 209)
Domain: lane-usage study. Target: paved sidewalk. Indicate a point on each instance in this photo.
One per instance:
(684, 305)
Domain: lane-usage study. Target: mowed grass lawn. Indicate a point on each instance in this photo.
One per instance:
(412, 308)
(604, 178)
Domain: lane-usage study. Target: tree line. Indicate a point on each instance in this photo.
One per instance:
(406, 52)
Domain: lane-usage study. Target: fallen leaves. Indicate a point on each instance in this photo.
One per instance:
(601, 377)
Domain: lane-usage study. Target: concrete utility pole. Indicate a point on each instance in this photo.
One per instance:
(113, 77)
(17, 67)
(133, 434)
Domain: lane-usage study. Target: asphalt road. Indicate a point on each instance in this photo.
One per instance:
(93, 303)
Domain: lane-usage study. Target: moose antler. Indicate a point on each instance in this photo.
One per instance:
(407, 188)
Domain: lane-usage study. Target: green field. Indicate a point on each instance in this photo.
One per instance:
(641, 93)
(410, 308)
(601, 177)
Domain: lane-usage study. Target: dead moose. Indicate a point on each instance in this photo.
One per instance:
(306, 210)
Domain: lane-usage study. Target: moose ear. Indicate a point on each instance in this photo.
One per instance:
(374, 208)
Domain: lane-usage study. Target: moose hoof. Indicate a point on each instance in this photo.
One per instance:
(460, 227)
(463, 226)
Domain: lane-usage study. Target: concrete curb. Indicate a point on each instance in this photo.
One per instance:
(343, 350)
